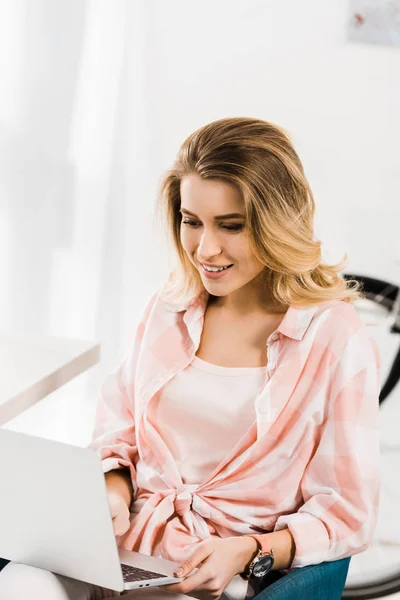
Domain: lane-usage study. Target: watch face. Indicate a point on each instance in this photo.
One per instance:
(263, 565)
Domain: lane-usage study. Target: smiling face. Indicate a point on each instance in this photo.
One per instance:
(209, 239)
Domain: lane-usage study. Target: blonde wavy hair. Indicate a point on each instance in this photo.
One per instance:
(258, 158)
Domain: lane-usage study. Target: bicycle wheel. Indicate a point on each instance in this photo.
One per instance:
(381, 305)
(375, 573)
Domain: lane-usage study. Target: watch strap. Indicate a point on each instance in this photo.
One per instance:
(263, 542)
(249, 569)
(264, 547)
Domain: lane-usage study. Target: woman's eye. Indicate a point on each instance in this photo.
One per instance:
(237, 227)
(233, 227)
(191, 223)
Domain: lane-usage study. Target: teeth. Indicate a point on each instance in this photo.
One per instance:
(214, 269)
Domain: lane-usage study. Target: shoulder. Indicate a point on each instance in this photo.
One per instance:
(160, 312)
(350, 339)
(339, 316)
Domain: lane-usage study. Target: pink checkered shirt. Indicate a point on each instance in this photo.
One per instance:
(309, 462)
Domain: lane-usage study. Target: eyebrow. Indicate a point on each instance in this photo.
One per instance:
(219, 218)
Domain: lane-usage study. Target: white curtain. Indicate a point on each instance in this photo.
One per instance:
(77, 192)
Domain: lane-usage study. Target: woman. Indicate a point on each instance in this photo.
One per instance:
(248, 401)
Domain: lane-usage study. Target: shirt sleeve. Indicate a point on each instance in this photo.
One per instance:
(340, 485)
(114, 437)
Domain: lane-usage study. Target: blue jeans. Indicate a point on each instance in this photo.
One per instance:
(315, 582)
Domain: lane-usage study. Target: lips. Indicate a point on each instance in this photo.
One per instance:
(215, 266)
(215, 274)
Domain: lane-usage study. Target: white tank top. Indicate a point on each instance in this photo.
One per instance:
(202, 413)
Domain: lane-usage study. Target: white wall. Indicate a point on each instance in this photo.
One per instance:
(96, 98)
(289, 62)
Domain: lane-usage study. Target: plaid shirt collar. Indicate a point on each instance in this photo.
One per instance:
(293, 325)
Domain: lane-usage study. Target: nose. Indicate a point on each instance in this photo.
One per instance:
(209, 246)
(183, 502)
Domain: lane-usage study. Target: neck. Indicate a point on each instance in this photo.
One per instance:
(242, 303)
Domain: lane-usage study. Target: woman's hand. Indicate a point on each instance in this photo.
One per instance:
(219, 560)
(119, 494)
(119, 512)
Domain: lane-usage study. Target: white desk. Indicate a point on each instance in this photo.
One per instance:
(33, 367)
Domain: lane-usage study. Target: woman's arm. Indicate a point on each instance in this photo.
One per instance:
(282, 543)
(114, 435)
(340, 485)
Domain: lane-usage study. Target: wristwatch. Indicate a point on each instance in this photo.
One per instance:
(262, 562)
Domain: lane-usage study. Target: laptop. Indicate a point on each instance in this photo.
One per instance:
(54, 514)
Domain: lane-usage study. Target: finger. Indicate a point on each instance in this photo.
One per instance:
(200, 581)
(196, 559)
(202, 551)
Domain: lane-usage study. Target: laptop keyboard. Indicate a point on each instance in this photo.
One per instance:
(135, 574)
